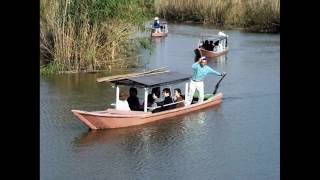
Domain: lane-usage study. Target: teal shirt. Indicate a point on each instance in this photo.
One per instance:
(199, 73)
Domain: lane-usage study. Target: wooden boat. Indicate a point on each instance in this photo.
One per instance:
(161, 34)
(112, 118)
(212, 54)
(163, 29)
(220, 49)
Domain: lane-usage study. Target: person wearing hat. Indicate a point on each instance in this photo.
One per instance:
(200, 71)
(156, 25)
(221, 33)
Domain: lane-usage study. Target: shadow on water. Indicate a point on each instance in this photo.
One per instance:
(158, 40)
(247, 96)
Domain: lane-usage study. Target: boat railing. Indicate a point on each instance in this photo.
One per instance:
(156, 107)
(163, 29)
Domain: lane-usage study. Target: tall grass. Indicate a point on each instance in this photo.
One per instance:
(89, 34)
(253, 15)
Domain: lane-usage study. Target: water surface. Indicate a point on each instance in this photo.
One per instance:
(239, 139)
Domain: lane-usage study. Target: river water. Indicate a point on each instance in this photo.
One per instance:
(239, 139)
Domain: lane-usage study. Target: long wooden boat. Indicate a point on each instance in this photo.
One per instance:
(112, 118)
(212, 54)
(159, 34)
(220, 49)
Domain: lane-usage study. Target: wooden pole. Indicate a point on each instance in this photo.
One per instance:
(117, 94)
(217, 85)
(145, 99)
(186, 90)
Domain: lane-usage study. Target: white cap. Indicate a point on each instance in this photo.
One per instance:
(156, 18)
(221, 34)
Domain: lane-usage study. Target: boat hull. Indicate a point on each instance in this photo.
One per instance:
(109, 120)
(212, 54)
(161, 34)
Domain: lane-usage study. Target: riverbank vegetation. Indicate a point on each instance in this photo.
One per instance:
(251, 15)
(90, 35)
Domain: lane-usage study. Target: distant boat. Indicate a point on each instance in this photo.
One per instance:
(112, 118)
(220, 48)
(163, 30)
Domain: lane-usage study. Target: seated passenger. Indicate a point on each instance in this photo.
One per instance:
(167, 100)
(122, 104)
(133, 100)
(178, 98)
(210, 46)
(151, 99)
(155, 98)
(216, 43)
(205, 45)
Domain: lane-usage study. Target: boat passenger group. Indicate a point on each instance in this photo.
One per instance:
(214, 45)
(169, 101)
(209, 45)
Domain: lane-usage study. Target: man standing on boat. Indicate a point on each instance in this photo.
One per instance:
(156, 25)
(200, 71)
(221, 33)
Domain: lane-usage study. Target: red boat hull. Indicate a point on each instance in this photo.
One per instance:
(118, 119)
(212, 54)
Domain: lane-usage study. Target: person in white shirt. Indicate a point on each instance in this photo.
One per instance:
(223, 43)
(200, 71)
(221, 34)
(123, 104)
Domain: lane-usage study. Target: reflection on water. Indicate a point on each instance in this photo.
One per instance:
(238, 139)
(220, 60)
(158, 40)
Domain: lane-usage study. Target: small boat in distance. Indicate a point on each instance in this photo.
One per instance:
(112, 118)
(161, 31)
(218, 46)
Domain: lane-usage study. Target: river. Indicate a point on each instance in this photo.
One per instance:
(238, 139)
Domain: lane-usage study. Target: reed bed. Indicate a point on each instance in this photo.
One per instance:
(89, 34)
(252, 15)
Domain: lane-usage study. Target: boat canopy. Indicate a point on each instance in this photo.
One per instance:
(213, 37)
(154, 80)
